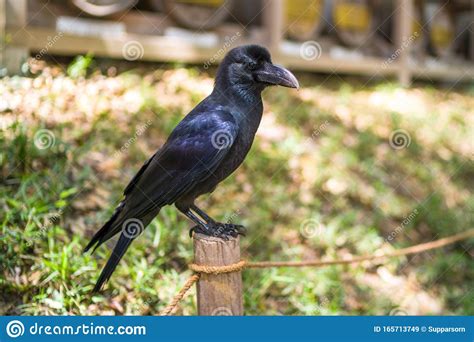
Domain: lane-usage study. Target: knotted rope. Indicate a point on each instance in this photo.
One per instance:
(241, 265)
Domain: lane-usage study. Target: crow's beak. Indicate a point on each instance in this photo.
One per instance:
(277, 75)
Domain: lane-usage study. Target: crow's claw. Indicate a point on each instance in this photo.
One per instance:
(226, 230)
(220, 230)
(198, 229)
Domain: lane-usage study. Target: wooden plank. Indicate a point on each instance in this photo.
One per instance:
(219, 294)
(461, 72)
(158, 48)
(366, 66)
(155, 48)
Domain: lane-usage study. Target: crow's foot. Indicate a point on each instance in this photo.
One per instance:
(200, 230)
(227, 230)
(220, 230)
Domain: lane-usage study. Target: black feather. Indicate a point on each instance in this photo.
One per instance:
(119, 250)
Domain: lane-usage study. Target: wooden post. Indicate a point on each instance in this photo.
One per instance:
(3, 33)
(221, 294)
(13, 13)
(273, 23)
(404, 23)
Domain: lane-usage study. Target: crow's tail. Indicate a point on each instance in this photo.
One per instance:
(109, 229)
(119, 250)
(129, 228)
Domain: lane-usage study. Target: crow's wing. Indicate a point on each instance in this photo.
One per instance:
(192, 153)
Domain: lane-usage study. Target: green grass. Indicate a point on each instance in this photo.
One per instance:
(321, 181)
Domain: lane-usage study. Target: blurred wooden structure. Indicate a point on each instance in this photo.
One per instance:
(30, 26)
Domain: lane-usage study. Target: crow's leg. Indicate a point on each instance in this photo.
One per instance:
(201, 226)
(219, 229)
(210, 227)
(202, 214)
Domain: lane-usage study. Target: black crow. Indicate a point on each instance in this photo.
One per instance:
(204, 148)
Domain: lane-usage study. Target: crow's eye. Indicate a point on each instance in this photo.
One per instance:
(252, 65)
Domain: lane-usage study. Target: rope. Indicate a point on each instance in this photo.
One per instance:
(241, 265)
(180, 295)
(218, 269)
(423, 247)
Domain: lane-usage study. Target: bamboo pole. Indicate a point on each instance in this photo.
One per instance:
(218, 294)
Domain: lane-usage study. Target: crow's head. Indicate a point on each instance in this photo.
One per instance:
(251, 65)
